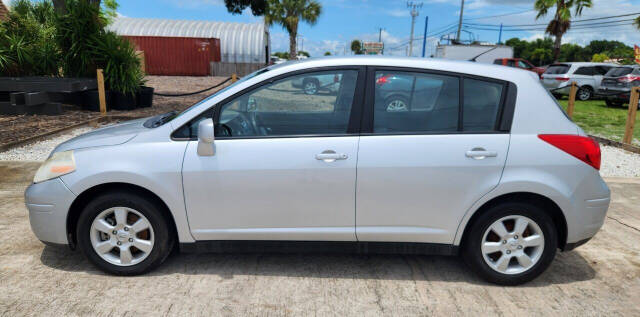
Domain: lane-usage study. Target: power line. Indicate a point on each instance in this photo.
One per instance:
(544, 29)
(500, 15)
(574, 21)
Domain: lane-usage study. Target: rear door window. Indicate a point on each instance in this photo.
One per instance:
(557, 69)
(415, 102)
(585, 70)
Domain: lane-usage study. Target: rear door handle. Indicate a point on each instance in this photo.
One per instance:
(331, 156)
(480, 153)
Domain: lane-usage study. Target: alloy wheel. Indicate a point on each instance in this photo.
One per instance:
(310, 88)
(397, 105)
(512, 244)
(122, 236)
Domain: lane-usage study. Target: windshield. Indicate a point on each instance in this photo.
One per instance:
(557, 69)
(619, 71)
(161, 119)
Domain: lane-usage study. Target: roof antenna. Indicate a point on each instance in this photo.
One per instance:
(487, 51)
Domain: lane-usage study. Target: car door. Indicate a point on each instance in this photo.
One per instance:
(421, 169)
(284, 166)
(585, 76)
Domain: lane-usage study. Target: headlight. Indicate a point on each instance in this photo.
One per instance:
(57, 165)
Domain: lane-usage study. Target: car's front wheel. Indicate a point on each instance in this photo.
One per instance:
(124, 233)
(613, 104)
(511, 243)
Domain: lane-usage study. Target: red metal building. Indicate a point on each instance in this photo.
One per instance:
(185, 56)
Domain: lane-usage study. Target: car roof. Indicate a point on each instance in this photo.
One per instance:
(436, 64)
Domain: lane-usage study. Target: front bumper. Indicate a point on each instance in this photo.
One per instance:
(48, 203)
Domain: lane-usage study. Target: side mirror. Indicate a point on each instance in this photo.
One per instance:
(206, 136)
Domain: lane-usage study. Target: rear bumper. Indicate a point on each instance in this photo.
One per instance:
(48, 203)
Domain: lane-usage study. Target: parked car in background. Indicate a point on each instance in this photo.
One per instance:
(617, 84)
(519, 63)
(313, 84)
(588, 76)
(260, 166)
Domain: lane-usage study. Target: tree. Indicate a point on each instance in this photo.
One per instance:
(599, 58)
(327, 53)
(258, 7)
(637, 22)
(561, 21)
(304, 53)
(541, 55)
(356, 47)
(288, 13)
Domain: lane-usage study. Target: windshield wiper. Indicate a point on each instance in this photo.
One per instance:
(159, 120)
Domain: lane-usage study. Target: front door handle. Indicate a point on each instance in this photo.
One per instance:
(331, 156)
(480, 153)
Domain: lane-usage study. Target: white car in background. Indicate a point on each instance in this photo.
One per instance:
(588, 76)
(488, 167)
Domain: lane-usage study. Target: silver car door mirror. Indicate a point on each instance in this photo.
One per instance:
(206, 136)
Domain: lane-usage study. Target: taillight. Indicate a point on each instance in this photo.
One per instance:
(628, 79)
(583, 148)
(562, 78)
(382, 80)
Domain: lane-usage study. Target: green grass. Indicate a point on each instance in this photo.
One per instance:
(595, 118)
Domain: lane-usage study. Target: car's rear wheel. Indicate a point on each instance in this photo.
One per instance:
(124, 234)
(584, 93)
(511, 243)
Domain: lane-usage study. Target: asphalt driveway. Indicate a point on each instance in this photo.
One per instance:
(599, 278)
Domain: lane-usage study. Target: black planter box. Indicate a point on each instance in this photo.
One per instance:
(145, 97)
(120, 101)
(91, 100)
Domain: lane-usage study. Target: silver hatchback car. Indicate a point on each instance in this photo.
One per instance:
(481, 162)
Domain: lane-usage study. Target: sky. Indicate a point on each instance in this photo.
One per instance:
(344, 20)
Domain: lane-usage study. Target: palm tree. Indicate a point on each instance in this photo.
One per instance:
(562, 19)
(288, 13)
(637, 23)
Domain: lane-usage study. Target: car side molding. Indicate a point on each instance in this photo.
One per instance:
(340, 247)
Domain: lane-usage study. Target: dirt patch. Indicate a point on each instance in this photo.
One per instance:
(20, 127)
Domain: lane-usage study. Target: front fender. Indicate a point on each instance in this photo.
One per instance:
(156, 167)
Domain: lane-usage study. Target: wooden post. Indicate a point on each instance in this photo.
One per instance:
(572, 99)
(631, 116)
(101, 93)
(234, 78)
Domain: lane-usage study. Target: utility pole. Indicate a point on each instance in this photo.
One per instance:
(380, 39)
(424, 40)
(301, 41)
(500, 34)
(415, 7)
(460, 22)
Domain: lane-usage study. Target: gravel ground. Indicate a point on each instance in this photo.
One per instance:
(40, 150)
(601, 278)
(615, 162)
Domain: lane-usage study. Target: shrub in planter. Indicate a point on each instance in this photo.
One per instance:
(123, 101)
(145, 96)
(121, 69)
(91, 100)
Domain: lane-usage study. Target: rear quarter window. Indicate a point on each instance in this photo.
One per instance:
(619, 71)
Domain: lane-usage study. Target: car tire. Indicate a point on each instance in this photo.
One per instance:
(613, 104)
(396, 103)
(480, 242)
(310, 86)
(584, 93)
(157, 239)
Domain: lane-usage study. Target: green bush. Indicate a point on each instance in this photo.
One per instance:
(117, 56)
(38, 41)
(27, 41)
